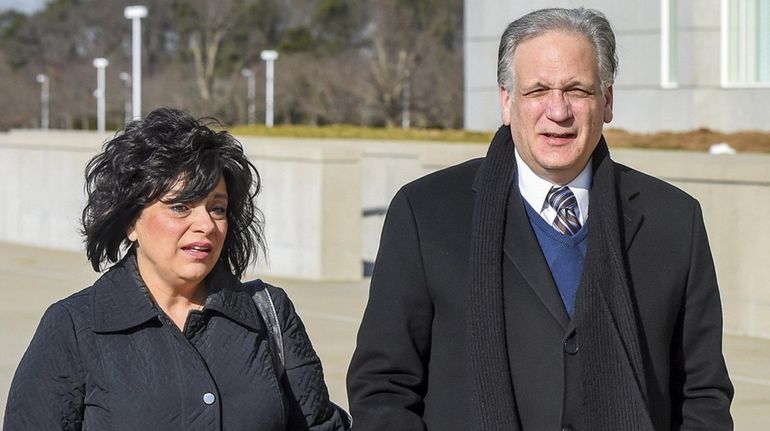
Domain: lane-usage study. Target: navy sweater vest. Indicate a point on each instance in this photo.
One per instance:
(564, 254)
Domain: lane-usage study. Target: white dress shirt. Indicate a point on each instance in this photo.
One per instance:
(535, 190)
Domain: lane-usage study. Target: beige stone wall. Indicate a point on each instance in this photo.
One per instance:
(315, 190)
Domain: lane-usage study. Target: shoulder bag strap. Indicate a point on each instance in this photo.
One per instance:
(266, 308)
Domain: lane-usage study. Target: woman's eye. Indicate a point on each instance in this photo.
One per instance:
(219, 212)
(179, 208)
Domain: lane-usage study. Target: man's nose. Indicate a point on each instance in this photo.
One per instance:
(558, 108)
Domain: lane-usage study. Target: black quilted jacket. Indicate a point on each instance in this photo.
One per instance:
(107, 358)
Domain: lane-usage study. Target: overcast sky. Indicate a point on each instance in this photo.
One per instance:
(25, 6)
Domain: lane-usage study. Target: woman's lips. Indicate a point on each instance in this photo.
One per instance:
(198, 250)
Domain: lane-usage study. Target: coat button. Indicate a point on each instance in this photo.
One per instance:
(571, 346)
(209, 398)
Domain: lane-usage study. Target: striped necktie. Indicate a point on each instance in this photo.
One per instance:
(564, 202)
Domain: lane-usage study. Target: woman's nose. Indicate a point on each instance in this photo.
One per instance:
(202, 220)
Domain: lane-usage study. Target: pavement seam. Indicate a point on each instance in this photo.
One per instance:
(752, 380)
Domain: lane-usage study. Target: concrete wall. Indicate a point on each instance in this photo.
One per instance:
(41, 186)
(641, 103)
(310, 201)
(315, 192)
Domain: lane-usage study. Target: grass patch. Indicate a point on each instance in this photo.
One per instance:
(339, 131)
(694, 140)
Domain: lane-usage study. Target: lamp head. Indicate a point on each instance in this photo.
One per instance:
(269, 55)
(132, 12)
(100, 62)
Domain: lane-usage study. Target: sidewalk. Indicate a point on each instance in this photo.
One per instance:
(34, 278)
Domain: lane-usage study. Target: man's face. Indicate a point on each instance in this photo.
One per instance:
(556, 108)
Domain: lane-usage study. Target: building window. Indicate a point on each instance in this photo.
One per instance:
(668, 44)
(746, 43)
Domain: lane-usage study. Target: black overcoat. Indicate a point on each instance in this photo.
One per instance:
(410, 370)
(107, 358)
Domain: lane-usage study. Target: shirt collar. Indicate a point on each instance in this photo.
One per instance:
(534, 189)
(121, 300)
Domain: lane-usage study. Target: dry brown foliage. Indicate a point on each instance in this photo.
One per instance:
(694, 140)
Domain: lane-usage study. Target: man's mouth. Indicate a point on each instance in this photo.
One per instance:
(560, 135)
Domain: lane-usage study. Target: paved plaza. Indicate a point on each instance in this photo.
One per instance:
(33, 278)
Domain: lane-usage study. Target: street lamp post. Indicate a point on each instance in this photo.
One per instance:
(126, 78)
(44, 93)
(135, 14)
(250, 94)
(100, 63)
(269, 56)
(405, 104)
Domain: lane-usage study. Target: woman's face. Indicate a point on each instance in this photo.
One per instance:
(178, 244)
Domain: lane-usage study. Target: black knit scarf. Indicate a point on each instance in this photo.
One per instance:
(612, 367)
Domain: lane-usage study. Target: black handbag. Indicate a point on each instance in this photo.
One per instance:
(266, 308)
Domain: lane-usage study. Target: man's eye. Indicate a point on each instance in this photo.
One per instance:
(536, 92)
(578, 92)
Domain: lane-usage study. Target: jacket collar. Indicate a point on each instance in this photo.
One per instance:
(121, 300)
(228, 297)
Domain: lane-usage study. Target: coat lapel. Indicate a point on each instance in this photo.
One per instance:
(522, 248)
(631, 217)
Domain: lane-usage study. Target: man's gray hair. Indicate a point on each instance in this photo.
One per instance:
(589, 22)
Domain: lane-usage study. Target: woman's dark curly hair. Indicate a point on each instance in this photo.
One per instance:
(141, 164)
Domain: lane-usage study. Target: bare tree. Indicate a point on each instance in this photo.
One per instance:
(342, 61)
(404, 35)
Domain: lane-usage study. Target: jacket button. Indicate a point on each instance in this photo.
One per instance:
(209, 398)
(567, 428)
(571, 346)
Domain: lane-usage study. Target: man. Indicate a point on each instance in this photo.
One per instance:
(544, 287)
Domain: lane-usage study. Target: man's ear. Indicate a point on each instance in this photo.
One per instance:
(608, 99)
(505, 105)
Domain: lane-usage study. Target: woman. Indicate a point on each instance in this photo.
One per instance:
(168, 338)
